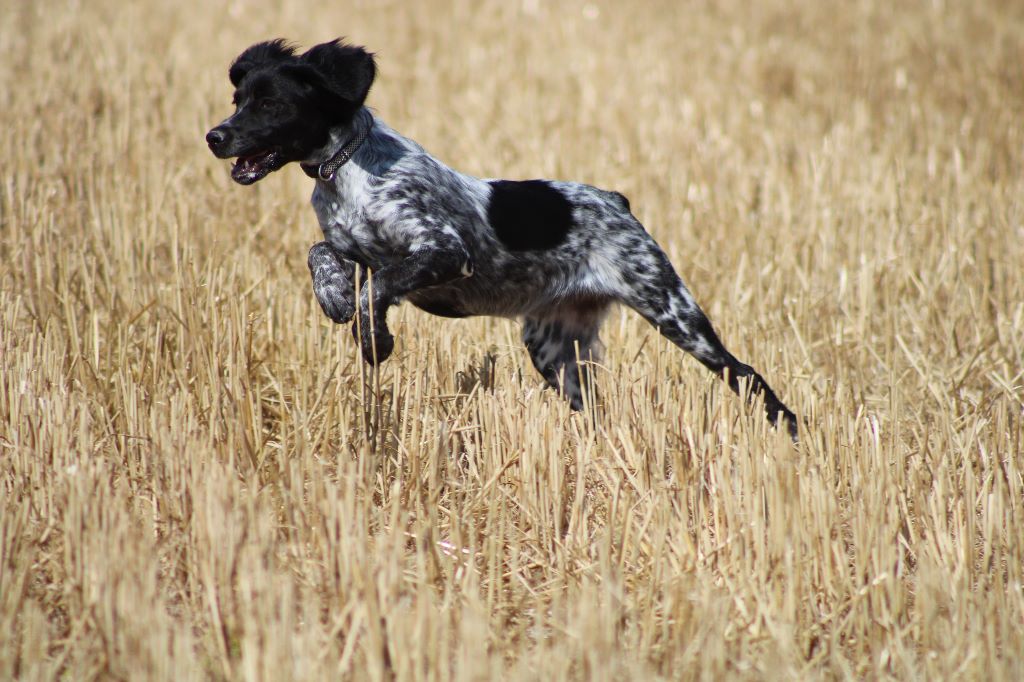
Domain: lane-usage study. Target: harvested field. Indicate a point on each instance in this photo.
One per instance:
(199, 479)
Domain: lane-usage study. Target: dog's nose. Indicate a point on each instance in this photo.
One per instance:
(215, 138)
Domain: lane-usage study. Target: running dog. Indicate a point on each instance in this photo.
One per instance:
(555, 254)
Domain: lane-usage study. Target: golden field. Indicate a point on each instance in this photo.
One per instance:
(200, 480)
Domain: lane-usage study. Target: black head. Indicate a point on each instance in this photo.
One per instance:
(286, 104)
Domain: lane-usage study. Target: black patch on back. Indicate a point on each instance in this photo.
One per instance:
(528, 215)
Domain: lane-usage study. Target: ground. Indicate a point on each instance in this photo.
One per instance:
(199, 478)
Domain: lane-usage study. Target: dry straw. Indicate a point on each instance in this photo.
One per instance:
(199, 479)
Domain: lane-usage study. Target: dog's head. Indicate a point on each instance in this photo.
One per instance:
(287, 104)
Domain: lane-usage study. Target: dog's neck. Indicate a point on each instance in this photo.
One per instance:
(341, 148)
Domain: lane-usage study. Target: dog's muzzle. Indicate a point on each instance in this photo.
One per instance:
(218, 139)
(248, 167)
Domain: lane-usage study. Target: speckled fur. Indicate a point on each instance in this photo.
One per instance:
(554, 254)
(422, 230)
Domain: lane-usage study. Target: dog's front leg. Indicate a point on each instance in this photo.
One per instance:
(427, 266)
(333, 282)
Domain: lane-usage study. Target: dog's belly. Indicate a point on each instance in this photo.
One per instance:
(442, 306)
(475, 296)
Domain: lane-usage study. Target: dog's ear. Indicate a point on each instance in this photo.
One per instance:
(260, 54)
(347, 70)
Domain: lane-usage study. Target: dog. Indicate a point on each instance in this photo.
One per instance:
(555, 254)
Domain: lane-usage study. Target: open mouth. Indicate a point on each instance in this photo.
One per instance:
(249, 169)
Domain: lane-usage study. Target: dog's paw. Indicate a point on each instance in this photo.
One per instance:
(334, 293)
(376, 345)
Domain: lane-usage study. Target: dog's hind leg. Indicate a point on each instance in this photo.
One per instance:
(660, 296)
(561, 342)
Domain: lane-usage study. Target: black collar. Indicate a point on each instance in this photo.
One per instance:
(327, 169)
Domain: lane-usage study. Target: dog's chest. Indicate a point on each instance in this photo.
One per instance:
(345, 226)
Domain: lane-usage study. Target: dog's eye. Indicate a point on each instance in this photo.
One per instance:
(266, 104)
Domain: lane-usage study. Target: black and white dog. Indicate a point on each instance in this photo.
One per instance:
(556, 254)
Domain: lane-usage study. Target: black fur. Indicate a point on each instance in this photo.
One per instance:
(529, 214)
(286, 106)
(260, 54)
(347, 71)
(439, 308)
